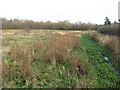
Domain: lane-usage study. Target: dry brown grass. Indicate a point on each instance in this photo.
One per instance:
(5, 68)
(110, 41)
(79, 64)
(57, 49)
(113, 43)
(18, 70)
(20, 64)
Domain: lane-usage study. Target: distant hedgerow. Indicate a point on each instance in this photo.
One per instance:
(109, 29)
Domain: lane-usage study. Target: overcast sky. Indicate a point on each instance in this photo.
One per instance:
(93, 11)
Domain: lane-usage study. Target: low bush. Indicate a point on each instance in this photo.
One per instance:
(109, 29)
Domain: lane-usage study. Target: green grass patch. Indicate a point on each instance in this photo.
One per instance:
(107, 76)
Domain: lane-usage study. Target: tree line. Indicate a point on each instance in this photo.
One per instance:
(60, 25)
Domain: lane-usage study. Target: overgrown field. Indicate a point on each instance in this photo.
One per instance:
(56, 59)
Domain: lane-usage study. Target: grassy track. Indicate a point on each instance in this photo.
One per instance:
(107, 76)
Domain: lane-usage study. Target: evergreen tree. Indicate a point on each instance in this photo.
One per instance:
(107, 21)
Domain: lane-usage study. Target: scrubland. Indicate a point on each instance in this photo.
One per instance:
(56, 59)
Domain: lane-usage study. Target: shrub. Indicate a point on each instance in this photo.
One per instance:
(109, 29)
